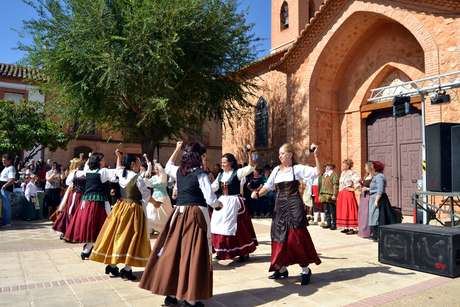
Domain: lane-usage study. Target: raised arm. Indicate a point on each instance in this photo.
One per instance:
(176, 152)
(317, 163)
(148, 172)
(171, 168)
(119, 155)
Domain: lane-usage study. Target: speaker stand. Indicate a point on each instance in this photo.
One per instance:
(450, 200)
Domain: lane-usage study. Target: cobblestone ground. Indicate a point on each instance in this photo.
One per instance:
(38, 269)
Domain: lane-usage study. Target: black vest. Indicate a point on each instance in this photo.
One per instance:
(79, 184)
(188, 189)
(94, 184)
(230, 187)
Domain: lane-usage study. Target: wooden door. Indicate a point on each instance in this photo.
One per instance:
(409, 138)
(381, 146)
(397, 143)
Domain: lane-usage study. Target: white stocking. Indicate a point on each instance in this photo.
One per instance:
(305, 270)
(323, 217)
(87, 247)
(315, 217)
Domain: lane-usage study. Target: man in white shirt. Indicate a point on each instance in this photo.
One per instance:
(7, 177)
(31, 188)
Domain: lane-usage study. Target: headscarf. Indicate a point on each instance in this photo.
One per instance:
(378, 166)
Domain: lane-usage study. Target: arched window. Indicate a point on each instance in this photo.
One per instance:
(284, 16)
(261, 123)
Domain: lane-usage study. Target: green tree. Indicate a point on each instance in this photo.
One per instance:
(150, 68)
(25, 126)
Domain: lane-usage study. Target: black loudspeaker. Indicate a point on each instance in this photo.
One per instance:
(426, 248)
(455, 146)
(439, 157)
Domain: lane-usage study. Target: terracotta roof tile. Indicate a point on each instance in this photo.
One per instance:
(20, 72)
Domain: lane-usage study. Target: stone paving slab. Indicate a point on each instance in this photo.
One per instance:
(38, 269)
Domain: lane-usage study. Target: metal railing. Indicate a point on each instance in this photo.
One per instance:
(426, 85)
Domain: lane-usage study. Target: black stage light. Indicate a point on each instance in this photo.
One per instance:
(440, 97)
(401, 105)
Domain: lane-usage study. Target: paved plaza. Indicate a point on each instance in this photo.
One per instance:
(37, 269)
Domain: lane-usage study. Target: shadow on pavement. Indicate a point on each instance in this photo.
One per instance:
(22, 225)
(291, 285)
(235, 264)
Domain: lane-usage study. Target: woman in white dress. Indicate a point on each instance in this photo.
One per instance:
(159, 211)
(232, 231)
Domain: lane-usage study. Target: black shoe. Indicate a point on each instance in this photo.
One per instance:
(351, 232)
(345, 230)
(305, 278)
(333, 228)
(125, 274)
(278, 275)
(61, 237)
(170, 301)
(112, 270)
(326, 226)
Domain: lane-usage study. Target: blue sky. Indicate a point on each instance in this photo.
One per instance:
(14, 11)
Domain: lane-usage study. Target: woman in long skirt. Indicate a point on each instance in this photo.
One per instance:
(380, 211)
(232, 231)
(179, 266)
(347, 206)
(291, 241)
(94, 208)
(123, 237)
(72, 197)
(364, 230)
(161, 208)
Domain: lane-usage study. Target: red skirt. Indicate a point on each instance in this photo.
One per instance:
(65, 217)
(86, 223)
(315, 194)
(242, 243)
(347, 210)
(297, 249)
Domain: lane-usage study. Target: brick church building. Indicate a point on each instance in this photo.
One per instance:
(325, 58)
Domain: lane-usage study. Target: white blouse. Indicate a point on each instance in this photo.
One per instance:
(241, 173)
(70, 177)
(203, 180)
(349, 178)
(54, 183)
(301, 172)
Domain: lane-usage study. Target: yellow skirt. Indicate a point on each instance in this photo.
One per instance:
(123, 237)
